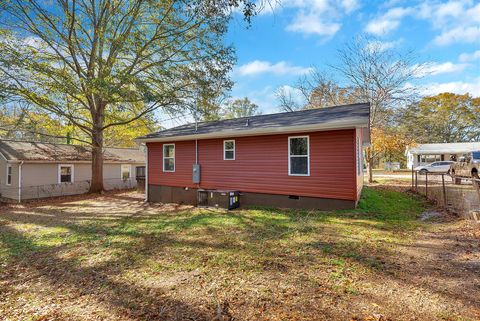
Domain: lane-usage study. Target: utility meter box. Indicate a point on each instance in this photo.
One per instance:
(196, 174)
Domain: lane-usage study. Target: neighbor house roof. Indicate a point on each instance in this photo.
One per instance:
(337, 117)
(47, 152)
(444, 148)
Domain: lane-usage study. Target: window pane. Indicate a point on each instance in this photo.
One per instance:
(125, 172)
(65, 178)
(229, 154)
(65, 170)
(299, 165)
(298, 146)
(229, 145)
(168, 151)
(169, 164)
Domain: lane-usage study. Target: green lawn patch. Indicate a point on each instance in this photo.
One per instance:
(111, 241)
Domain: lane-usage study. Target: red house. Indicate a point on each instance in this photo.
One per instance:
(304, 159)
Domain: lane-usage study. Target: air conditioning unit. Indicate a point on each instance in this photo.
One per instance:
(218, 198)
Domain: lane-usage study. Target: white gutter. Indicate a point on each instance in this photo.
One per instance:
(338, 125)
(146, 173)
(70, 162)
(20, 182)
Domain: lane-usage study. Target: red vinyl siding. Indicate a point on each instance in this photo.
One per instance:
(261, 165)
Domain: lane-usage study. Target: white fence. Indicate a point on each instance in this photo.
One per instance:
(63, 189)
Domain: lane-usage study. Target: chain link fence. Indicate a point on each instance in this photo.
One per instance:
(460, 195)
(63, 189)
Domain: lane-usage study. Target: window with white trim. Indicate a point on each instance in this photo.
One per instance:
(169, 157)
(125, 171)
(299, 156)
(229, 149)
(65, 174)
(9, 174)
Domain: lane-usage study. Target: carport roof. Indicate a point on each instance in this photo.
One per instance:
(14, 150)
(445, 148)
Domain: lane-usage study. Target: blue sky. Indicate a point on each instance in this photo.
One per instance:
(283, 42)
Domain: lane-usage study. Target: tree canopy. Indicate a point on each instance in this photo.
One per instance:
(240, 108)
(100, 64)
(443, 118)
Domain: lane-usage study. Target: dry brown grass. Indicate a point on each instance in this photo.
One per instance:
(112, 257)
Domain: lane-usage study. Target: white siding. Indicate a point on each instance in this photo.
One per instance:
(40, 180)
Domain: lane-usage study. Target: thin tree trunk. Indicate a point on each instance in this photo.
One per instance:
(370, 165)
(96, 185)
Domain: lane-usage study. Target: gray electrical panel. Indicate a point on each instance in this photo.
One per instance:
(196, 174)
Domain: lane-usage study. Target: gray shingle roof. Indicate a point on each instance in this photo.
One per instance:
(333, 117)
(34, 151)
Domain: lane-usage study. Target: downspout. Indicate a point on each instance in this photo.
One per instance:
(20, 181)
(196, 128)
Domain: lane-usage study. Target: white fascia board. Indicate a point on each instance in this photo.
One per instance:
(260, 131)
(3, 156)
(72, 162)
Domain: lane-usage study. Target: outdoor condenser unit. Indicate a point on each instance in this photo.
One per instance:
(217, 198)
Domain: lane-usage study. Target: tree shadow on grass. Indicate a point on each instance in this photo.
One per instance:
(151, 232)
(97, 281)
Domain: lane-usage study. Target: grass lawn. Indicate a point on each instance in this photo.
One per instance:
(112, 257)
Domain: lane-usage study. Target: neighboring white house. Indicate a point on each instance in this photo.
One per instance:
(30, 170)
(427, 153)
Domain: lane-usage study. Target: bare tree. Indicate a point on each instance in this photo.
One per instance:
(381, 76)
(315, 90)
(286, 100)
(368, 72)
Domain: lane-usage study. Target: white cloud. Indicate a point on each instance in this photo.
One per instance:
(459, 34)
(388, 22)
(315, 17)
(280, 68)
(443, 68)
(457, 20)
(464, 57)
(311, 24)
(458, 87)
(350, 5)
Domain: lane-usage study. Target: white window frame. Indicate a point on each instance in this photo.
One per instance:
(290, 156)
(122, 166)
(163, 158)
(59, 178)
(229, 150)
(9, 166)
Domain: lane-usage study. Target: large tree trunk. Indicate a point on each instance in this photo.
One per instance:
(96, 185)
